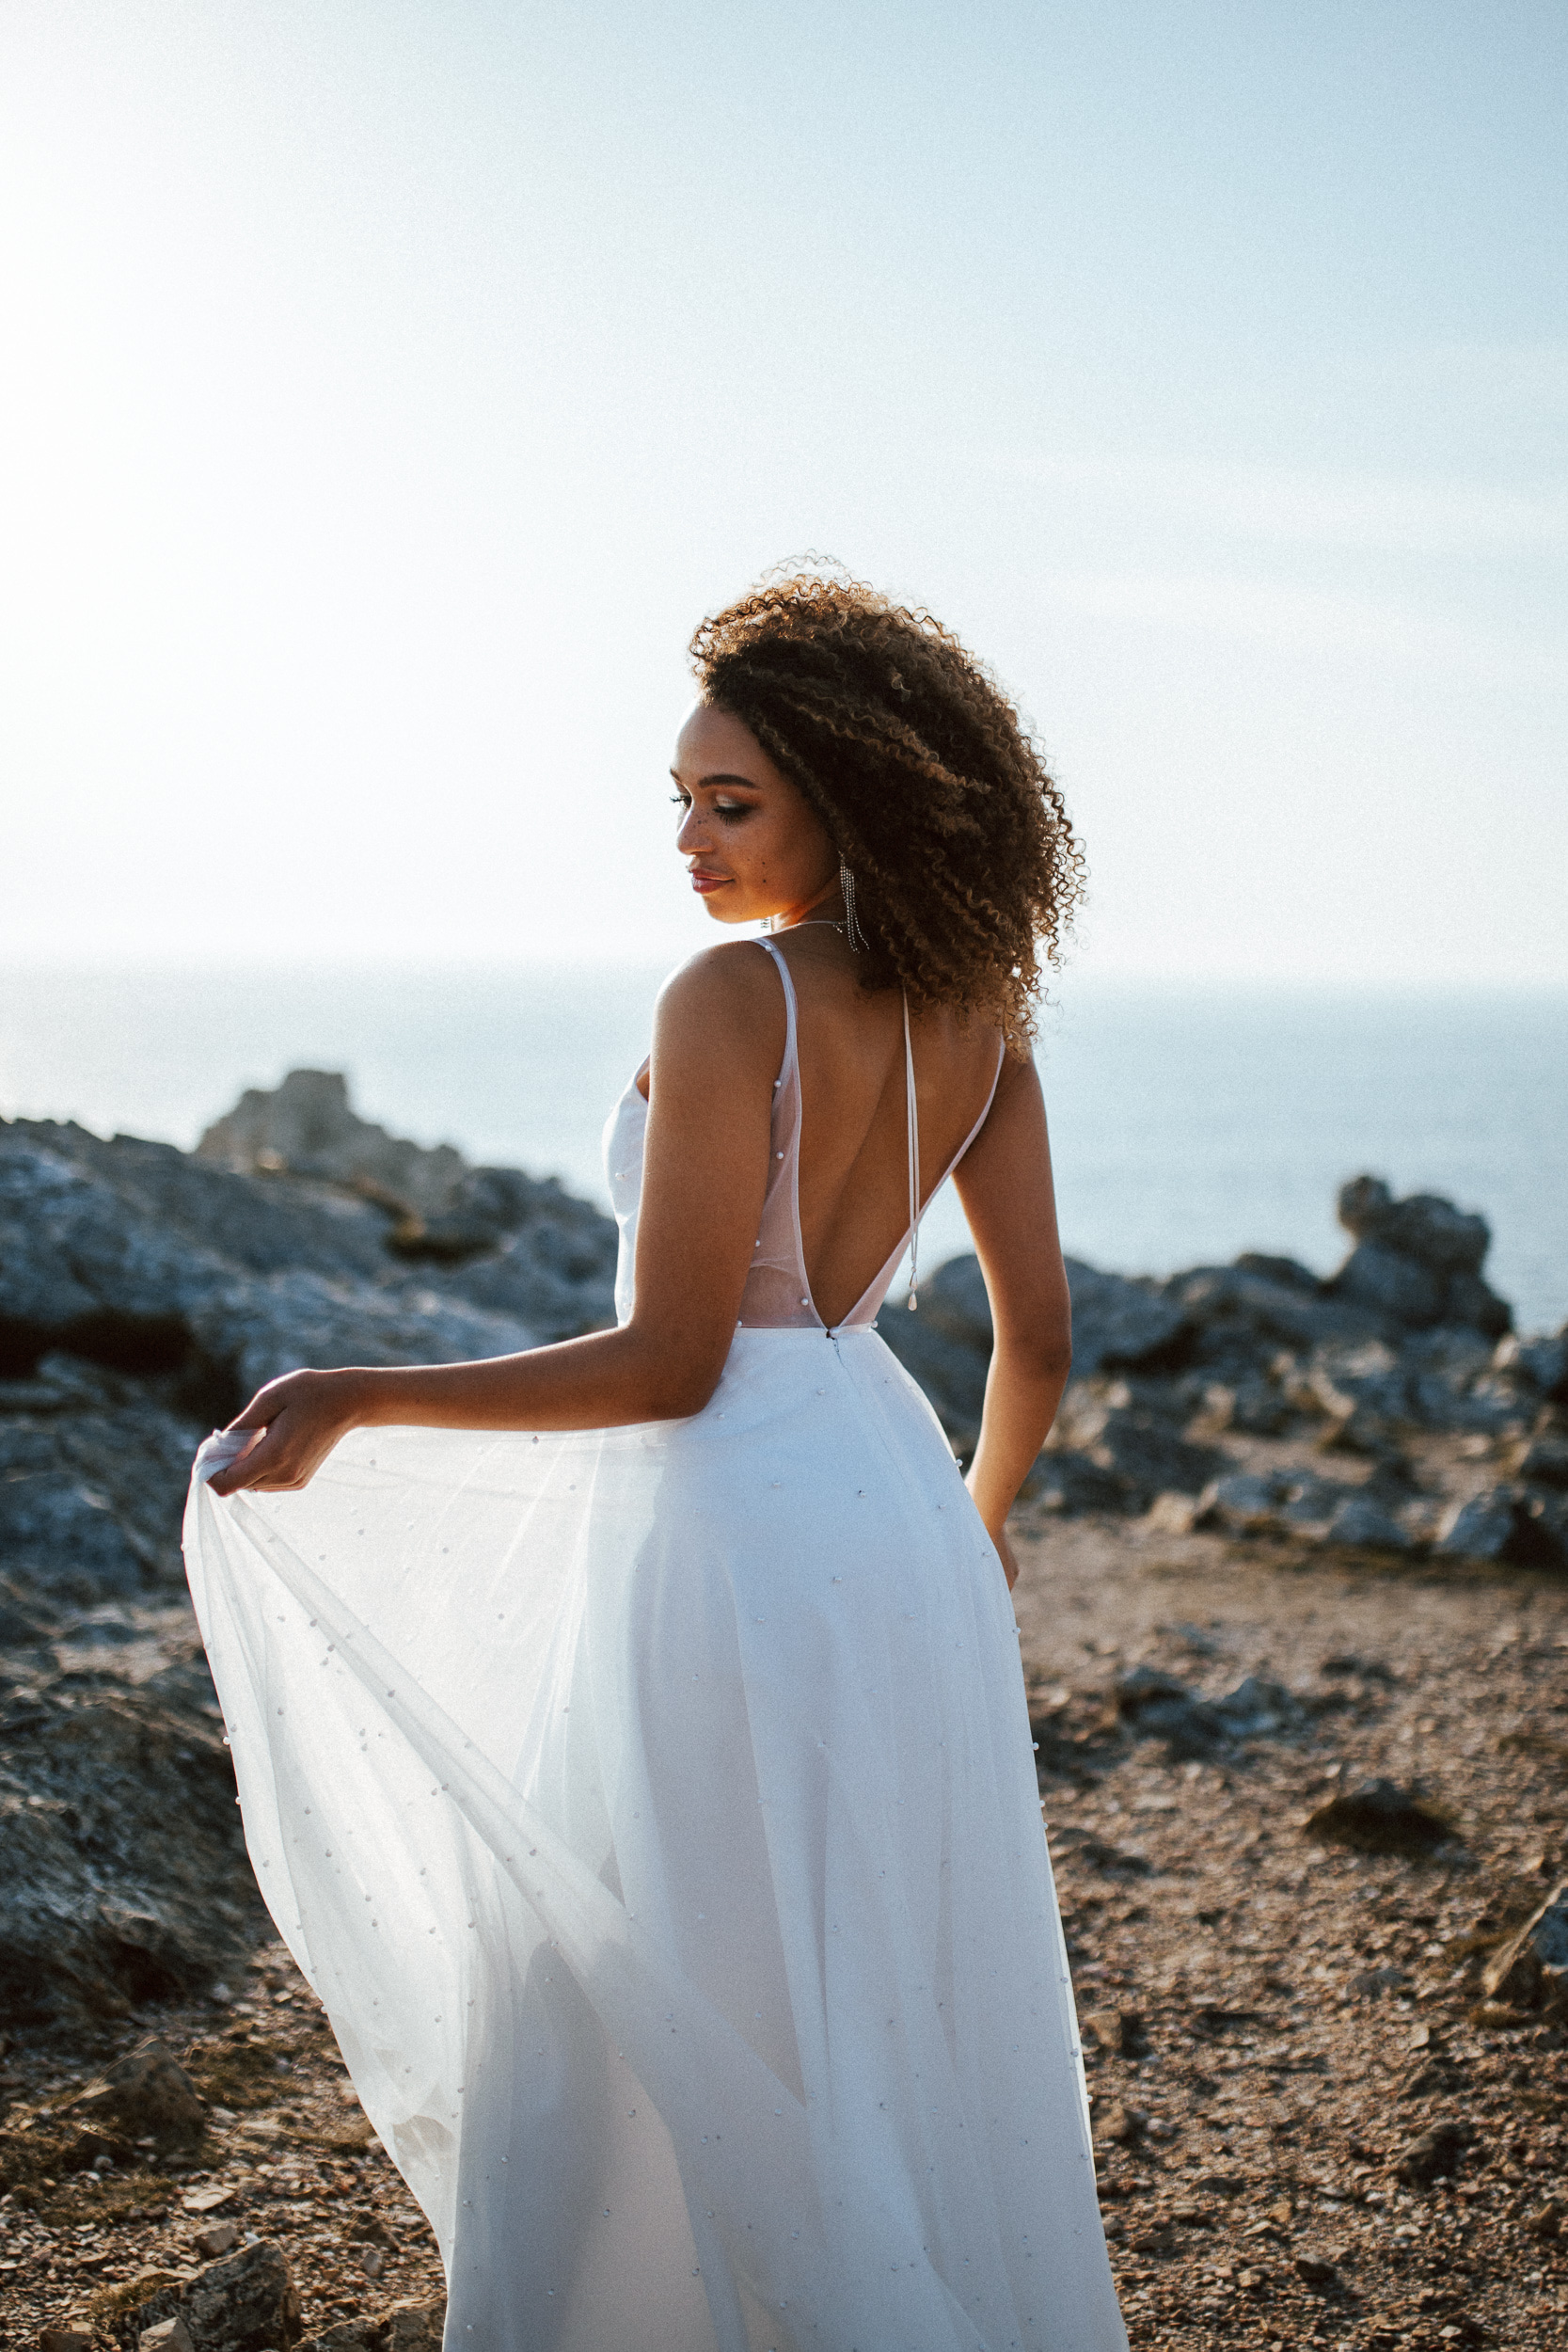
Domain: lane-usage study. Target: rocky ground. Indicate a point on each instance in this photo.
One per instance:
(1314, 2124)
(1296, 1618)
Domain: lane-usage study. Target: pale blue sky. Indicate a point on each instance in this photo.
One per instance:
(393, 383)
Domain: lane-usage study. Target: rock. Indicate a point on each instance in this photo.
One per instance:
(307, 1127)
(219, 2237)
(1416, 1262)
(414, 2327)
(1546, 2220)
(1362, 1523)
(1172, 1513)
(123, 1874)
(1424, 1226)
(1543, 1460)
(1154, 1705)
(1316, 2270)
(1379, 1816)
(1436, 2155)
(1485, 1528)
(1531, 1969)
(75, 2336)
(1123, 1325)
(1128, 2125)
(1543, 1362)
(941, 1349)
(146, 2095)
(1390, 1285)
(1129, 1443)
(248, 2303)
(346, 2335)
(167, 2335)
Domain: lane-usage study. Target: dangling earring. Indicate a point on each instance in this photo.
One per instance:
(852, 930)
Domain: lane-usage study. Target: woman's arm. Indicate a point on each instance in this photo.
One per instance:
(718, 1041)
(1004, 1182)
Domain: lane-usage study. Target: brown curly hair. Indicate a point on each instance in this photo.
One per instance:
(966, 866)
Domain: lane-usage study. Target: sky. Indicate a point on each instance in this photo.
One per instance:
(394, 384)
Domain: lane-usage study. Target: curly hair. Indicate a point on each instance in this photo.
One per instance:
(967, 869)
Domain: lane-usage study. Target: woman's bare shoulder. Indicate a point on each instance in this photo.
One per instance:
(725, 992)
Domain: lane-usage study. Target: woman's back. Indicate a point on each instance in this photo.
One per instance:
(850, 1170)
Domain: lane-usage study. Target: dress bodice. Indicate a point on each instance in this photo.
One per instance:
(777, 1294)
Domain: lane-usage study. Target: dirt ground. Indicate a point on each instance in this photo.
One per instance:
(1269, 2021)
(1298, 2013)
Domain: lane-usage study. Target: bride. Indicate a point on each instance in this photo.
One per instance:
(630, 1733)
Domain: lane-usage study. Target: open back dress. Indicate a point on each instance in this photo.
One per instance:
(654, 1811)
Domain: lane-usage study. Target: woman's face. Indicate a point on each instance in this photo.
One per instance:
(752, 845)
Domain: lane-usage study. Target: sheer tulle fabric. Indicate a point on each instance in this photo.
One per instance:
(654, 1812)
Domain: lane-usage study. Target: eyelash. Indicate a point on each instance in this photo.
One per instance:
(734, 809)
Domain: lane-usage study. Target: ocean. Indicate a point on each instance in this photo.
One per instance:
(1187, 1123)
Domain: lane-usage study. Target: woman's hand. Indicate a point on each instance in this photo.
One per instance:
(300, 1419)
(1004, 1553)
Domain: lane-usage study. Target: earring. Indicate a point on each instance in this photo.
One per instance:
(852, 930)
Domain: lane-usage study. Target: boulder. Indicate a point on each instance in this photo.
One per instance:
(1424, 1226)
(1129, 1443)
(1155, 1704)
(307, 1127)
(86, 1268)
(123, 1874)
(1531, 1969)
(146, 2095)
(1379, 1816)
(1360, 1523)
(406, 2328)
(1486, 1527)
(1294, 1502)
(245, 2303)
(1435, 2155)
(1416, 1262)
(1123, 1325)
(1542, 1363)
(1116, 1324)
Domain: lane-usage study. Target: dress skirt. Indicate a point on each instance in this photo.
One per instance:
(654, 1812)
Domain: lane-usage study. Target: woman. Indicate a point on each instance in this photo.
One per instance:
(630, 1733)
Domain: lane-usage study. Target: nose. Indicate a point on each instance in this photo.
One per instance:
(692, 836)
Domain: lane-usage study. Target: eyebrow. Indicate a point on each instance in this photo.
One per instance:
(746, 783)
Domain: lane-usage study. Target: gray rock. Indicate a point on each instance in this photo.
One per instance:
(1390, 1284)
(1123, 1325)
(1128, 1441)
(1543, 1460)
(1117, 1323)
(1155, 1704)
(245, 2303)
(1237, 1313)
(123, 1874)
(1481, 1529)
(1379, 1816)
(1543, 1362)
(1275, 1502)
(1416, 1262)
(86, 1268)
(146, 2095)
(1364, 1524)
(1435, 2155)
(1423, 1227)
(307, 1127)
(1531, 1969)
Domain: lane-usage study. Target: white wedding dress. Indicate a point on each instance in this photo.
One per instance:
(654, 1811)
